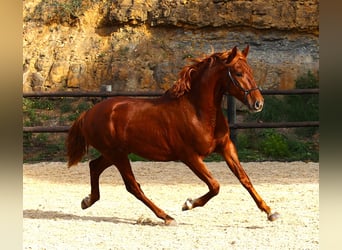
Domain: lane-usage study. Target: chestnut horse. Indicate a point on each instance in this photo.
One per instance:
(185, 124)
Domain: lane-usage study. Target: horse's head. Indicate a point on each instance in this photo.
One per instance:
(229, 70)
(241, 83)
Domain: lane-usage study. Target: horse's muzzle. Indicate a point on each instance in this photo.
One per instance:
(258, 105)
(255, 106)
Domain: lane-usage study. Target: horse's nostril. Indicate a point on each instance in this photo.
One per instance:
(258, 105)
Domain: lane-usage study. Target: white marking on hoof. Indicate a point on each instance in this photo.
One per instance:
(86, 202)
(172, 223)
(273, 217)
(187, 205)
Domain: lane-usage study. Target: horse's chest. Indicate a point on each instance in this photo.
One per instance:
(211, 137)
(203, 141)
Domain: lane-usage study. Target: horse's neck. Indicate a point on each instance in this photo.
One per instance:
(207, 99)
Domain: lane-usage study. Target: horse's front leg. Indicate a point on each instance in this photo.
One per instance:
(200, 169)
(229, 153)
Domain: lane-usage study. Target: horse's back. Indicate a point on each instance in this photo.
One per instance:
(138, 125)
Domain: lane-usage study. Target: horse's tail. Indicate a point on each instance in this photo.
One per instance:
(76, 143)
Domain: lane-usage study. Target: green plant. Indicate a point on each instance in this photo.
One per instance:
(42, 104)
(305, 107)
(73, 116)
(64, 9)
(83, 106)
(213, 157)
(307, 81)
(302, 150)
(134, 157)
(274, 144)
(65, 106)
(41, 139)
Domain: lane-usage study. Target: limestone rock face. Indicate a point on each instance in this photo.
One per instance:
(141, 45)
(259, 14)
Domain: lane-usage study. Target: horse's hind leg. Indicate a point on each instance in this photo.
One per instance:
(133, 187)
(230, 155)
(96, 167)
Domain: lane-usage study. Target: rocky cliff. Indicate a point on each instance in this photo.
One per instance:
(141, 45)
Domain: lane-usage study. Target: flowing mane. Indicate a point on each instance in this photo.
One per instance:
(183, 84)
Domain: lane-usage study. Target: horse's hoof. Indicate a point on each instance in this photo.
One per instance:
(273, 217)
(187, 205)
(86, 203)
(171, 222)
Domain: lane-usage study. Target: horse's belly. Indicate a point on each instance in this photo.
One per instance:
(152, 146)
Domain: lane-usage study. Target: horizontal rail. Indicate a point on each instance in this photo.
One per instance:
(151, 94)
(64, 129)
(274, 125)
(91, 94)
(46, 129)
(290, 92)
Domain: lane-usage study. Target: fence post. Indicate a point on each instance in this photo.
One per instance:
(231, 113)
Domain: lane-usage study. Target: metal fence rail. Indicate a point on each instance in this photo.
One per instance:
(231, 108)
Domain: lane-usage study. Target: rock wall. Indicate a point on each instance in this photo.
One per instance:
(142, 45)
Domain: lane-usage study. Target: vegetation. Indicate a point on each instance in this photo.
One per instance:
(50, 112)
(295, 144)
(65, 12)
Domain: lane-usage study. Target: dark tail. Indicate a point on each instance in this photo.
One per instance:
(76, 143)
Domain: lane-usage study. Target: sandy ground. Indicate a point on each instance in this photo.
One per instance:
(53, 218)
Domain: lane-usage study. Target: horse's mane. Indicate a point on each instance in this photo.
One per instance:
(183, 84)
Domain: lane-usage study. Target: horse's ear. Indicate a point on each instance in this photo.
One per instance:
(232, 55)
(245, 51)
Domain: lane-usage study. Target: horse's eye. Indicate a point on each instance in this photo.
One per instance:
(239, 74)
